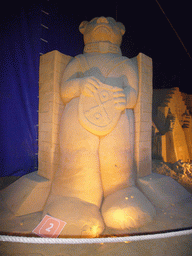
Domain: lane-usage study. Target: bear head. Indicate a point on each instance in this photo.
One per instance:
(102, 30)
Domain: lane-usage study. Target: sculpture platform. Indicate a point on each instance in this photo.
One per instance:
(177, 216)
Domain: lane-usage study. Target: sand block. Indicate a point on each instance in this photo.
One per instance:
(162, 191)
(27, 195)
(143, 116)
(52, 66)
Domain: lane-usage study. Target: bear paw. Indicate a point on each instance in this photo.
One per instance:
(126, 209)
(83, 219)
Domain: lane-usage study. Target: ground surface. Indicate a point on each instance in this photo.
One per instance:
(175, 217)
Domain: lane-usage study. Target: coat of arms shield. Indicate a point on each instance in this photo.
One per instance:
(97, 113)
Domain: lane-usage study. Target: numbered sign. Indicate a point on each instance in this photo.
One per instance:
(49, 227)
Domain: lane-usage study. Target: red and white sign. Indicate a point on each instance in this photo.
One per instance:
(49, 227)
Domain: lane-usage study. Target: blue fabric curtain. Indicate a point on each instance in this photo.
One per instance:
(26, 33)
(19, 61)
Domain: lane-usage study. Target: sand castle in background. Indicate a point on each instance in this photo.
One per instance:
(95, 126)
(172, 126)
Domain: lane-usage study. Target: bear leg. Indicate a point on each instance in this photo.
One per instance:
(82, 219)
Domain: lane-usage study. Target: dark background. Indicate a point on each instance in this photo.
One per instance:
(160, 29)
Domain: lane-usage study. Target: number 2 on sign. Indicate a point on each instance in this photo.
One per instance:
(49, 228)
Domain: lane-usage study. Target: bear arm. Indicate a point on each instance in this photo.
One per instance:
(131, 84)
(70, 84)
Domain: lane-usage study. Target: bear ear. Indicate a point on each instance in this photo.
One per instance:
(121, 27)
(82, 26)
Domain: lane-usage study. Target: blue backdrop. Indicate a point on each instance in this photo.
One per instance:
(26, 33)
(19, 60)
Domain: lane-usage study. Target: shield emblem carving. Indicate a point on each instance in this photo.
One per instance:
(98, 114)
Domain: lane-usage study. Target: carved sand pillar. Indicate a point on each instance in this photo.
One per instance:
(51, 107)
(143, 117)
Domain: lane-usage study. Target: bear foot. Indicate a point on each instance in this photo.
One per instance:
(83, 219)
(127, 209)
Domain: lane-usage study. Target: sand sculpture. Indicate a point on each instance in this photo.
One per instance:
(95, 120)
(100, 89)
(172, 122)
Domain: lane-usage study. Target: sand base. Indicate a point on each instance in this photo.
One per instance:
(177, 216)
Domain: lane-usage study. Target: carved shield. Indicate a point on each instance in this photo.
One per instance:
(98, 114)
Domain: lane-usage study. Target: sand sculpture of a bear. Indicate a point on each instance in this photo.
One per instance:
(95, 183)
